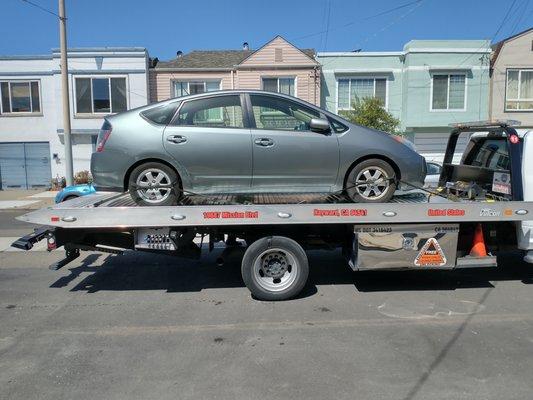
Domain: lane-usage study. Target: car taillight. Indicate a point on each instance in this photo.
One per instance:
(104, 134)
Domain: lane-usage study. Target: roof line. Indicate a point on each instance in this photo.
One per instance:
(270, 41)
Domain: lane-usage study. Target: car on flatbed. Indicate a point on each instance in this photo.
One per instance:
(231, 142)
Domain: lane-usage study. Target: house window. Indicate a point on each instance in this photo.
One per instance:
(20, 97)
(519, 93)
(351, 90)
(279, 85)
(185, 88)
(449, 92)
(100, 95)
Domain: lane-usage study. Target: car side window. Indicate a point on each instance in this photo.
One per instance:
(281, 114)
(211, 112)
(337, 126)
(162, 114)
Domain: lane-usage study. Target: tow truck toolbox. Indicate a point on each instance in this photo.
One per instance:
(477, 212)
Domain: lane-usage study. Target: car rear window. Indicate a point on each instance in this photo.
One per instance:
(161, 115)
(488, 153)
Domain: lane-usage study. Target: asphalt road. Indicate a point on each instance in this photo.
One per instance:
(144, 326)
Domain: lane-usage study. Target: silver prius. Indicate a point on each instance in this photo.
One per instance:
(230, 142)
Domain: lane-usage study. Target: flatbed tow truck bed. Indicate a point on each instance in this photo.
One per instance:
(413, 231)
(117, 209)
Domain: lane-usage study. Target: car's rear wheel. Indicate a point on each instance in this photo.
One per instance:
(371, 181)
(154, 184)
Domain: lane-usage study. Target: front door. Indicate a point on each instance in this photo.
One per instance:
(211, 143)
(287, 155)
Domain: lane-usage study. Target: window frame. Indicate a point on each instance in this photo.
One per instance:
(360, 77)
(505, 100)
(244, 110)
(448, 109)
(91, 77)
(278, 77)
(189, 81)
(253, 124)
(21, 113)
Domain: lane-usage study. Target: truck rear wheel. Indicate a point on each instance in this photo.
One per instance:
(275, 268)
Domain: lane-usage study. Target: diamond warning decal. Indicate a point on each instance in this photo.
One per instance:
(431, 255)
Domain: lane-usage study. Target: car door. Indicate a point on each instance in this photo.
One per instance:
(210, 140)
(287, 155)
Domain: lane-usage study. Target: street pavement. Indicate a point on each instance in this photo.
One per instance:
(148, 326)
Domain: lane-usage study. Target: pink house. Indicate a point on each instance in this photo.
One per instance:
(277, 66)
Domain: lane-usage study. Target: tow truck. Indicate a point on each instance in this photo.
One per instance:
(477, 212)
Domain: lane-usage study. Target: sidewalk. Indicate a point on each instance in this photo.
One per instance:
(26, 199)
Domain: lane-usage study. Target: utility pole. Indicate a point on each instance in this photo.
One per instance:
(64, 93)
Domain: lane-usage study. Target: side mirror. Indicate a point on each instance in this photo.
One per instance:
(319, 125)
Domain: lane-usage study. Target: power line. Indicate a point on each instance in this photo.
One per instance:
(503, 20)
(40, 8)
(388, 11)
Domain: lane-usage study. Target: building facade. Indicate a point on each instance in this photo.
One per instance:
(102, 81)
(427, 86)
(511, 85)
(277, 66)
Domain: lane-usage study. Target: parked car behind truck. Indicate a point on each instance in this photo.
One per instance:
(247, 142)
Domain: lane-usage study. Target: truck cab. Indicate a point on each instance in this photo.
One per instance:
(494, 164)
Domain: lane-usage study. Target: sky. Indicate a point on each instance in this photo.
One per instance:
(166, 26)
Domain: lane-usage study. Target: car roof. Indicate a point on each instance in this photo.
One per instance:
(239, 91)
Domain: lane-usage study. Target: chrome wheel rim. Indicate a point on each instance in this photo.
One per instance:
(275, 269)
(154, 185)
(372, 183)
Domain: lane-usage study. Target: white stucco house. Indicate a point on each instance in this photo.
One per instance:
(101, 81)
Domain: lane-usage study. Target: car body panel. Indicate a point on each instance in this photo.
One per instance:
(296, 161)
(226, 160)
(212, 159)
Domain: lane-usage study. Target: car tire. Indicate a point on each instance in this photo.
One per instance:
(154, 184)
(371, 181)
(275, 268)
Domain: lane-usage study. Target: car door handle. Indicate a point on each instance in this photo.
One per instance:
(265, 142)
(176, 139)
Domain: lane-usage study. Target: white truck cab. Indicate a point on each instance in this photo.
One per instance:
(489, 151)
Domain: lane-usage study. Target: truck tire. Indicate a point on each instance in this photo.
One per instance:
(275, 268)
(371, 181)
(154, 184)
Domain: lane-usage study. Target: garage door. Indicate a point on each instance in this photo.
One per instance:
(24, 165)
(433, 145)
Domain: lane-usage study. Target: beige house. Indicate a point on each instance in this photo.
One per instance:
(511, 85)
(277, 66)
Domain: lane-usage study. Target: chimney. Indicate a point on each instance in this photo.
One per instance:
(179, 54)
(245, 46)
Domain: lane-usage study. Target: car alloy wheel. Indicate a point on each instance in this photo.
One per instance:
(372, 183)
(154, 185)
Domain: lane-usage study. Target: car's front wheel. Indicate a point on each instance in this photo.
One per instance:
(154, 184)
(371, 181)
